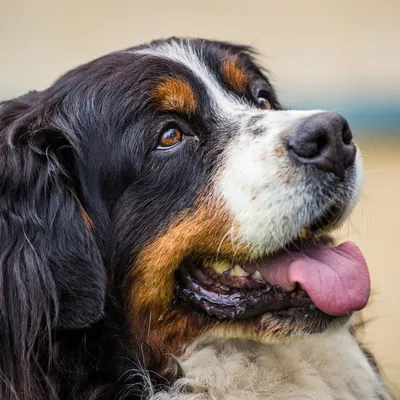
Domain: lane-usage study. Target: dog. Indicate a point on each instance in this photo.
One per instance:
(164, 234)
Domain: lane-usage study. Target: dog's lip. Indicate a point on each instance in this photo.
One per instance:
(336, 280)
(237, 303)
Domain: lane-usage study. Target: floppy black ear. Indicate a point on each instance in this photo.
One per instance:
(52, 272)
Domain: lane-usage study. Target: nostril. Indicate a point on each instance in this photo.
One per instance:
(347, 135)
(321, 142)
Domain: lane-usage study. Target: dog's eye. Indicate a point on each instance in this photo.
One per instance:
(263, 103)
(170, 138)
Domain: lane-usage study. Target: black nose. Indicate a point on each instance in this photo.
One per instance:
(324, 140)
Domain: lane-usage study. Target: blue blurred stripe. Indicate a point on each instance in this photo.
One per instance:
(364, 117)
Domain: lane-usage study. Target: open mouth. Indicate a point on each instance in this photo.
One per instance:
(229, 292)
(303, 277)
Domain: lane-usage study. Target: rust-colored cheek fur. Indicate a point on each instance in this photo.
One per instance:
(204, 231)
(234, 75)
(174, 94)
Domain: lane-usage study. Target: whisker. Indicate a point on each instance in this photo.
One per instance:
(380, 170)
(223, 239)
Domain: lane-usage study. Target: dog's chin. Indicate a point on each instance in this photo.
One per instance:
(277, 327)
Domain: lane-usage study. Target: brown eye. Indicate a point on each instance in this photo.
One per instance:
(263, 103)
(171, 137)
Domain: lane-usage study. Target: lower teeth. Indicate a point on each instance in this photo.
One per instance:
(225, 268)
(257, 275)
(219, 266)
(237, 270)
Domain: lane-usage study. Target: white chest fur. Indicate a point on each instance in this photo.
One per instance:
(330, 366)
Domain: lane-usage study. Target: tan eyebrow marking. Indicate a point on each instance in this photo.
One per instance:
(175, 94)
(234, 75)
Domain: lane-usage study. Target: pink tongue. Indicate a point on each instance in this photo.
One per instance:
(336, 279)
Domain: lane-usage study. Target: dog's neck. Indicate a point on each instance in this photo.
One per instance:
(329, 366)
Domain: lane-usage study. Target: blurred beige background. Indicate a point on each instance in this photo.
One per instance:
(338, 54)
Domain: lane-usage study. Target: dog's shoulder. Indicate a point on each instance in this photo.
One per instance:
(330, 366)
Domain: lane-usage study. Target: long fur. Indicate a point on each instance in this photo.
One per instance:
(52, 274)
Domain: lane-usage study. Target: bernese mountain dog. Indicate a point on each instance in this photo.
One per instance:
(163, 235)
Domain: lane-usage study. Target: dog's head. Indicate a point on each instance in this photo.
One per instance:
(221, 231)
(174, 165)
